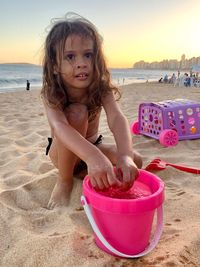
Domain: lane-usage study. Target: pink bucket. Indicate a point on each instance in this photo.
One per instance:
(123, 226)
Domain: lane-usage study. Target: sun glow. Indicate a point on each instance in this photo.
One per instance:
(133, 32)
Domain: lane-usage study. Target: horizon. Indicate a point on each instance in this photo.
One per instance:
(28, 63)
(134, 31)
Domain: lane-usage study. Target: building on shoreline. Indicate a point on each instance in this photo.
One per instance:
(169, 64)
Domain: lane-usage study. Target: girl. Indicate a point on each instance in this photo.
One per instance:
(76, 86)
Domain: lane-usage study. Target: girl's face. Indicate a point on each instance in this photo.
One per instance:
(76, 66)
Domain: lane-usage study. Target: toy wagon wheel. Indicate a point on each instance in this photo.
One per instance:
(168, 138)
(135, 127)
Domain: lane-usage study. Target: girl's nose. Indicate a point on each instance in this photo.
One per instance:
(81, 63)
(81, 66)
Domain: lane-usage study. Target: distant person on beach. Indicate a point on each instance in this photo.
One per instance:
(76, 86)
(165, 80)
(27, 85)
(172, 79)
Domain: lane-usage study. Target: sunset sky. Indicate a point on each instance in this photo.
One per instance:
(132, 30)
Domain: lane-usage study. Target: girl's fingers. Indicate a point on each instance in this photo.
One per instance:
(106, 183)
(126, 176)
(107, 179)
(119, 174)
(129, 176)
(113, 181)
(100, 184)
(93, 182)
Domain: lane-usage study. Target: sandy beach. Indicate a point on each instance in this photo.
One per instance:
(31, 235)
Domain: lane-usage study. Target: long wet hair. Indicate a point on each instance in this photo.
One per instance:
(53, 92)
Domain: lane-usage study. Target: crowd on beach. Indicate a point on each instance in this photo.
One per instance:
(188, 80)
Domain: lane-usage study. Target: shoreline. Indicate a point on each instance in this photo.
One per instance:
(35, 88)
(19, 89)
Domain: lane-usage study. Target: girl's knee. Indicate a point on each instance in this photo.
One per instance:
(138, 160)
(77, 114)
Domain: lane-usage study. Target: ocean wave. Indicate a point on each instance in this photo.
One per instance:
(14, 76)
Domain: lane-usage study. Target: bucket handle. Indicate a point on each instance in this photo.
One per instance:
(150, 247)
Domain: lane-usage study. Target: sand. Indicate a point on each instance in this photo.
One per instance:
(31, 235)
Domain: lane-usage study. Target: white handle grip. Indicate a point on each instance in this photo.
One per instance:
(152, 245)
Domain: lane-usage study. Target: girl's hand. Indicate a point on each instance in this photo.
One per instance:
(127, 171)
(101, 173)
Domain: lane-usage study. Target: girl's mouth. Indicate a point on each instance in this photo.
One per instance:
(82, 76)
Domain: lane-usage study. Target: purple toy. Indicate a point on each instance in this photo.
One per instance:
(169, 121)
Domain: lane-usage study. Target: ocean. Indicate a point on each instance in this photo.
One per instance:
(13, 77)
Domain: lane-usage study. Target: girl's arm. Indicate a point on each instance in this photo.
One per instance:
(120, 128)
(100, 169)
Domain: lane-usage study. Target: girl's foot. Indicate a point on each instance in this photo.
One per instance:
(60, 195)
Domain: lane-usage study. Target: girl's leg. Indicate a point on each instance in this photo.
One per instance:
(64, 159)
(111, 152)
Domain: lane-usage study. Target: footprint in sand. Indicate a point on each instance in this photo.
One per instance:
(21, 119)
(7, 174)
(187, 258)
(175, 192)
(16, 179)
(155, 262)
(177, 220)
(4, 132)
(18, 199)
(3, 162)
(43, 217)
(46, 167)
(9, 118)
(21, 143)
(8, 155)
(21, 201)
(5, 140)
(32, 138)
(43, 132)
(170, 233)
(23, 126)
(32, 195)
(4, 218)
(79, 219)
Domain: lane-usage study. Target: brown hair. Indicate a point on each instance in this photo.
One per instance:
(53, 91)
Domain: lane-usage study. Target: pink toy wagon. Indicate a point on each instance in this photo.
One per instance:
(168, 121)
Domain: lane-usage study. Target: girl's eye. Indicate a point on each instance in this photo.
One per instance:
(70, 57)
(89, 55)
